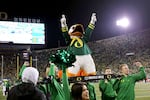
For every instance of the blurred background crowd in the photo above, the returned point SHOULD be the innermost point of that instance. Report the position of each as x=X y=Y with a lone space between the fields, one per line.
x=107 y=52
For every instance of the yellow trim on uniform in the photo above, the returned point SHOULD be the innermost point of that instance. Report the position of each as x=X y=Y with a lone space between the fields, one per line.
x=91 y=26
x=64 y=29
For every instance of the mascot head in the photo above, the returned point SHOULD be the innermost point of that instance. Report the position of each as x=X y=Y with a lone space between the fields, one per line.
x=76 y=30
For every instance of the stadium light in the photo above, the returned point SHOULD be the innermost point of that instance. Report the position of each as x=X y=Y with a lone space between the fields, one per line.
x=124 y=22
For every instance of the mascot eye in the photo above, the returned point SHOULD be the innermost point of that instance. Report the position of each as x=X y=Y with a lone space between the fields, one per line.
x=73 y=27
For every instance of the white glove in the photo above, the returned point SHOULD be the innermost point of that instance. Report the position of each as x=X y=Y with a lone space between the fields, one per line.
x=93 y=18
x=63 y=21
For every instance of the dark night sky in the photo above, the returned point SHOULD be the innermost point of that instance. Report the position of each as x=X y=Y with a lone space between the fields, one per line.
x=79 y=11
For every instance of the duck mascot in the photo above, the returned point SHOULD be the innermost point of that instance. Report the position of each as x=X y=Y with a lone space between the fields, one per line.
x=77 y=38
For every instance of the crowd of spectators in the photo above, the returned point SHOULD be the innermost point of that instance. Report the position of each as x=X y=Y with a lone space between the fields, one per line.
x=112 y=51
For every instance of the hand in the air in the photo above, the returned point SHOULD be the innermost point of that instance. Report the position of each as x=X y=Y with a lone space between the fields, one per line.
x=93 y=18
x=63 y=21
x=138 y=64
x=26 y=63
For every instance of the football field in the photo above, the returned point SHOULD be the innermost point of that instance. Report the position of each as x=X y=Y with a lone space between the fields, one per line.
x=142 y=92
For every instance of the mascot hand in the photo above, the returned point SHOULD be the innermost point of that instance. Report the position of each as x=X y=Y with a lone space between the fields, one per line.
x=63 y=21
x=93 y=18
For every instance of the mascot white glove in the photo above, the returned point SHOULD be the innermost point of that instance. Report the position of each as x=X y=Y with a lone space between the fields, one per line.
x=93 y=18
x=63 y=21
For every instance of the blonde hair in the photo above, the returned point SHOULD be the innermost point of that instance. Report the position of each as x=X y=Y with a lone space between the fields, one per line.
x=120 y=67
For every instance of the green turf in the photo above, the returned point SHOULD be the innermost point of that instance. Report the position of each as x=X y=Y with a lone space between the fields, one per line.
x=1 y=95
x=142 y=92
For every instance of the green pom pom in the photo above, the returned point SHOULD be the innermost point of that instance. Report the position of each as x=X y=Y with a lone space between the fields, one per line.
x=62 y=58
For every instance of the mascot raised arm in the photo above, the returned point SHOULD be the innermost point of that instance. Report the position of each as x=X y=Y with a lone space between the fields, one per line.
x=76 y=38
